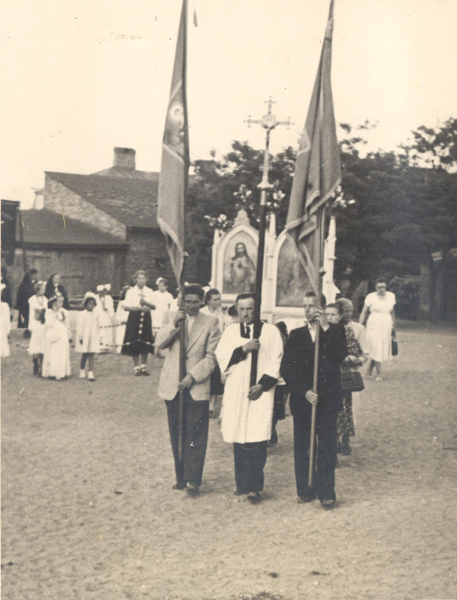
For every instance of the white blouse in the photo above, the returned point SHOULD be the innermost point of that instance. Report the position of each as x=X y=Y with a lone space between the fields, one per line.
x=134 y=295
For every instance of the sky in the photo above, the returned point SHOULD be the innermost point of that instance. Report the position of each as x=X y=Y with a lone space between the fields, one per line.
x=81 y=77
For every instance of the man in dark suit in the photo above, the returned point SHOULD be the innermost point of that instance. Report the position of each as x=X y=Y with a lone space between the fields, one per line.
x=297 y=369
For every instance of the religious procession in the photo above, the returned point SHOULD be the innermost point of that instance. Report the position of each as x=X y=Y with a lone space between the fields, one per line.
x=234 y=378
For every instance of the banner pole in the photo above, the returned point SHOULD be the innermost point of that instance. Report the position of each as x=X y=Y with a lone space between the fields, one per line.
x=320 y=275
x=182 y=328
x=264 y=186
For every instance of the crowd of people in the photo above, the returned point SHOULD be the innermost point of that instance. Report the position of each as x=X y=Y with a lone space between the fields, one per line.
x=219 y=346
x=43 y=313
x=218 y=360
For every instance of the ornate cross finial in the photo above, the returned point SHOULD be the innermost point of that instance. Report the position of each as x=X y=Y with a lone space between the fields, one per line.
x=268 y=121
x=270 y=103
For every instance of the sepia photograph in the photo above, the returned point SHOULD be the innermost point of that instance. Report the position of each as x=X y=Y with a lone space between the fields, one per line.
x=229 y=300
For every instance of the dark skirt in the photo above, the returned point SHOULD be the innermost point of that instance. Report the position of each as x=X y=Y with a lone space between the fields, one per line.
x=138 y=337
x=216 y=385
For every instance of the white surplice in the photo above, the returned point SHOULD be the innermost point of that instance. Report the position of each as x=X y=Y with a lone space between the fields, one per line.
x=244 y=420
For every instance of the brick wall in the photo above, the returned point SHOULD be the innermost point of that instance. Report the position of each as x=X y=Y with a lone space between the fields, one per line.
x=57 y=197
x=148 y=251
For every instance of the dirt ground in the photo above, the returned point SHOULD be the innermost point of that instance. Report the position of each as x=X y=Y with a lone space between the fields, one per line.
x=89 y=513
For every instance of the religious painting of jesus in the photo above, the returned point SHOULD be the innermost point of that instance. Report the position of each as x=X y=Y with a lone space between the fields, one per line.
x=239 y=265
x=292 y=283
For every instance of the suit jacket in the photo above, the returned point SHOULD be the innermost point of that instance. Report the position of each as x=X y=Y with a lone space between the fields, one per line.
x=297 y=367
x=200 y=358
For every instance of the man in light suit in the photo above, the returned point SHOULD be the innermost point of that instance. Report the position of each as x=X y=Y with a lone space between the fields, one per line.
x=202 y=336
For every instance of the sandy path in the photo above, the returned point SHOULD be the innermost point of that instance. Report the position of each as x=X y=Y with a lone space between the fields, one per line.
x=88 y=510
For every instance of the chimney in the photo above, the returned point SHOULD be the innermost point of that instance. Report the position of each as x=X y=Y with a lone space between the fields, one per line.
x=125 y=158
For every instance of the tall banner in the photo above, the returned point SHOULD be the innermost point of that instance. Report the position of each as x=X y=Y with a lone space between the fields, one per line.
x=10 y=210
x=317 y=169
x=175 y=157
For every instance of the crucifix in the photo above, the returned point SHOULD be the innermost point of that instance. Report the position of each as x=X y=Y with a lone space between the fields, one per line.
x=268 y=122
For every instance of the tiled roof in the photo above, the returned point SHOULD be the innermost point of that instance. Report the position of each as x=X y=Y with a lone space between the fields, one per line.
x=49 y=228
x=131 y=201
x=128 y=173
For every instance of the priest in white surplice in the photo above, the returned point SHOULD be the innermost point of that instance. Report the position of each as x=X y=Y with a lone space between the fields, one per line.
x=247 y=412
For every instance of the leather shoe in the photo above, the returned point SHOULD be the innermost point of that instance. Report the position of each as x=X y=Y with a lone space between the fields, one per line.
x=274 y=438
x=328 y=503
x=192 y=489
x=307 y=497
x=179 y=486
x=254 y=497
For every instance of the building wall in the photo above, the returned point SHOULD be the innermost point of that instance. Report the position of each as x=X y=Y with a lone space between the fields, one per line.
x=59 y=198
x=81 y=270
x=147 y=251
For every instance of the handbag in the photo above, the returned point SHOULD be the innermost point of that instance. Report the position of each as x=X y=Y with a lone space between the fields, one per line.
x=394 y=346
x=351 y=380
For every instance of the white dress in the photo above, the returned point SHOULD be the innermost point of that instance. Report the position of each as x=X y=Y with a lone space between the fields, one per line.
x=379 y=325
x=121 y=321
x=6 y=328
x=105 y=310
x=38 y=329
x=56 y=360
x=243 y=420
x=88 y=332
x=162 y=301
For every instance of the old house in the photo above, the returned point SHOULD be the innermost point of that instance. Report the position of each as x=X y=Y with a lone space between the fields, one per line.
x=95 y=228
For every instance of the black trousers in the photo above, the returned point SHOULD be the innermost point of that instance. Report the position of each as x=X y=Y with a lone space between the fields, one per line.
x=250 y=461
x=196 y=421
x=324 y=473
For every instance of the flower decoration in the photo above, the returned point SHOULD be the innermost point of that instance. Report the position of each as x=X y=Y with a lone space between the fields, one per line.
x=339 y=200
x=221 y=222
x=275 y=199
x=243 y=196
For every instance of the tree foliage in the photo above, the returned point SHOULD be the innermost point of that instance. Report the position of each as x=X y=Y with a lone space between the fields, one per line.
x=402 y=211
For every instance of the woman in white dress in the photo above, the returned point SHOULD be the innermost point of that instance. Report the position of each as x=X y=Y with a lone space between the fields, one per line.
x=214 y=309
x=105 y=310
x=88 y=335
x=56 y=360
x=37 y=310
x=6 y=322
x=379 y=308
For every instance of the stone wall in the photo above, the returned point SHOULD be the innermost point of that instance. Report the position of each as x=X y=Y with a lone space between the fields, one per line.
x=59 y=198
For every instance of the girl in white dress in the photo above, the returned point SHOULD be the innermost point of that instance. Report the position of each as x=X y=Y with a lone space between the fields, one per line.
x=88 y=335
x=37 y=327
x=379 y=308
x=5 y=324
x=162 y=300
x=56 y=360
x=105 y=309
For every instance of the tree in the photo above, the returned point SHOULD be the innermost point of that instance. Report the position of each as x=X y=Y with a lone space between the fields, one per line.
x=401 y=214
x=435 y=148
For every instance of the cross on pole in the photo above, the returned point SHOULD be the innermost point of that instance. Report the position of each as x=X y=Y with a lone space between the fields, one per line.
x=268 y=122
